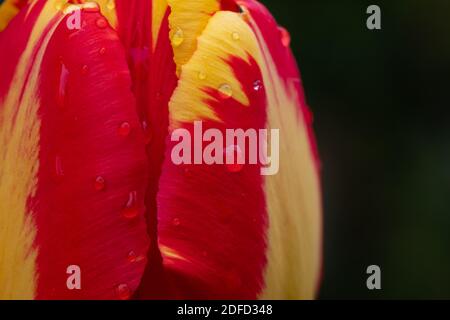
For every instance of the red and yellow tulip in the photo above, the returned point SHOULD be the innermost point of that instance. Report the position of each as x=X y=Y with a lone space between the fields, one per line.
x=85 y=172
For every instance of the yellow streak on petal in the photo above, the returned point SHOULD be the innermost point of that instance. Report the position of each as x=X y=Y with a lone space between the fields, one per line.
x=169 y=255
x=293 y=195
x=191 y=17
x=19 y=164
x=207 y=68
x=293 y=202
x=159 y=9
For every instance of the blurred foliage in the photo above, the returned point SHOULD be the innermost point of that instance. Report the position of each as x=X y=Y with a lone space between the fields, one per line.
x=381 y=106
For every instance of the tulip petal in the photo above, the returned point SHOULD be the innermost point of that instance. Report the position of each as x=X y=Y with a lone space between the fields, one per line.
x=76 y=196
x=273 y=241
x=212 y=221
x=188 y=20
x=143 y=28
x=293 y=195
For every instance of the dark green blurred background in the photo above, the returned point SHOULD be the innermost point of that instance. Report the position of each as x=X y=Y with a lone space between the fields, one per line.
x=381 y=106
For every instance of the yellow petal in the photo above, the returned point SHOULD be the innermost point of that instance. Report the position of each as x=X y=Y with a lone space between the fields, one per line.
x=19 y=136
x=208 y=68
x=294 y=194
x=187 y=21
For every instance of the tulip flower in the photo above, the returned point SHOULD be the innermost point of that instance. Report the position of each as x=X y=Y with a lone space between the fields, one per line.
x=87 y=183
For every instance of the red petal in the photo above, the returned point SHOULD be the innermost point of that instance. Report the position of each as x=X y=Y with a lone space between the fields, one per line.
x=87 y=206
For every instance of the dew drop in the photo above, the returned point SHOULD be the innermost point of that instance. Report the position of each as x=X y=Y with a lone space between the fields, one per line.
x=233 y=152
x=102 y=51
x=235 y=36
x=124 y=129
x=201 y=75
x=63 y=78
x=99 y=183
x=258 y=85
x=59 y=170
x=123 y=292
x=178 y=38
x=131 y=209
x=285 y=36
x=176 y=222
x=225 y=91
x=111 y=5
x=133 y=257
x=59 y=6
x=84 y=69
x=234 y=168
x=101 y=23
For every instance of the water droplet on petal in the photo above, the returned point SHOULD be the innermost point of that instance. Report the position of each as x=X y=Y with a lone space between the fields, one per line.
x=63 y=78
x=131 y=209
x=102 y=51
x=201 y=75
x=285 y=36
x=111 y=5
x=176 y=222
x=124 y=129
x=235 y=36
x=123 y=292
x=258 y=85
x=84 y=69
x=234 y=168
x=178 y=38
x=59 y=170
x=59 y=5
x=133 y=257
x=101 y=23
x=225 y=91
x=99 y=183
x=235 y=153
